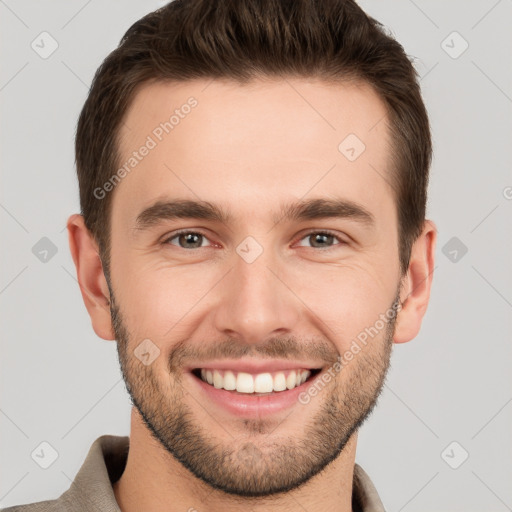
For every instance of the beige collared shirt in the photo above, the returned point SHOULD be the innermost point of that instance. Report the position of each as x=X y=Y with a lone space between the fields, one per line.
x=91 y=490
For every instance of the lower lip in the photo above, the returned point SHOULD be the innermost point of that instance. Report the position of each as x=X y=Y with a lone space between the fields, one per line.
x=252 y=405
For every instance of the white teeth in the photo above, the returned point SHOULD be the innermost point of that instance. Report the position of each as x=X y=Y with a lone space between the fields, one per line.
x=291 y=380
x=218 y=381
x=260 y=383
x=244 y=383
x=263 y=383
x=279 y=382
x=229 y=381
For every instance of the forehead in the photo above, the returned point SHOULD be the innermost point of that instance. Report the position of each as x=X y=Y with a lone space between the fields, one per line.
x=263 y=141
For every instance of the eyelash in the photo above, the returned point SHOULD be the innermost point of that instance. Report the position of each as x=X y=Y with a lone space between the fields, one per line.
x=309 y=233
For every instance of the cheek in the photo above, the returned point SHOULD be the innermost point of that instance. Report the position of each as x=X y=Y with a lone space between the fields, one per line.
x=346 y=300
x=159 y=303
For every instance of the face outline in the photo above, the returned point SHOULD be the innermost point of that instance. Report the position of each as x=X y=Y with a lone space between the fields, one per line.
x=250 y=149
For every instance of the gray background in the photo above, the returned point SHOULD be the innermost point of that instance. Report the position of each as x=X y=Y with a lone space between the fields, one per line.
x=61 y=384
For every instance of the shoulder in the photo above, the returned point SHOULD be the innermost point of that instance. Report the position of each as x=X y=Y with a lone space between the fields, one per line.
x=91 y=490
x=40 y=506
x=66 y=502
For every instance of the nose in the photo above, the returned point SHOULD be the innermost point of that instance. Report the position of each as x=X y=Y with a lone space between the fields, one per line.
x=256 y=302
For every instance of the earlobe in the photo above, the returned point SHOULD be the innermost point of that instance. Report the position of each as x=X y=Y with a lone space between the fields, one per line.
x=91 y=278
x=415 y=292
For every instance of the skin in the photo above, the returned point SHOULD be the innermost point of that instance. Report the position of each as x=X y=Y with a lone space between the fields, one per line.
x=249 y=149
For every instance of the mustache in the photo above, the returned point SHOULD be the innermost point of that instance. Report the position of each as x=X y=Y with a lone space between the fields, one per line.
x=276 y=348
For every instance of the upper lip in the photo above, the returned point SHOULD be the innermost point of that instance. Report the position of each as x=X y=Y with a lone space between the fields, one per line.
x=255 y=366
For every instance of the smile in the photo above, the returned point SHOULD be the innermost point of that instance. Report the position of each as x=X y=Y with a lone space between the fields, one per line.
x=260 y=383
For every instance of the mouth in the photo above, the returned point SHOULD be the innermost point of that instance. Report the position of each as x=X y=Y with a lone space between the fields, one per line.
x=253 y=389
x=256 y=384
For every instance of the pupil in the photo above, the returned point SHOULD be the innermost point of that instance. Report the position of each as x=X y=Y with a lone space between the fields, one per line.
x=191 y=238
x=321 y=236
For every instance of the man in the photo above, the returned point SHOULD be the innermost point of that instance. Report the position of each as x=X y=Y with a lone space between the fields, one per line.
x=253 y=179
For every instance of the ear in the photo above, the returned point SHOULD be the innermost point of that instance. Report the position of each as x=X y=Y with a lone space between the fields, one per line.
x=91 y=279
x=415 y=290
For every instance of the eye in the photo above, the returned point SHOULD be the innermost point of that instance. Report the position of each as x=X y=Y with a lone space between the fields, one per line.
x=195 y=240
x=322 y=239
x=187 y=239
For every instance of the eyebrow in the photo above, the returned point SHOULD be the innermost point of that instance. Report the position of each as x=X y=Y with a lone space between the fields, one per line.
x=310 y=209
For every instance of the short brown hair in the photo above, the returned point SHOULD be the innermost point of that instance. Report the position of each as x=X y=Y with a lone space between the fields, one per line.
x=240 y=40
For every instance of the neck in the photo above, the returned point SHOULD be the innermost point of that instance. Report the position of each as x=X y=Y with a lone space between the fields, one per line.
x=154 y=481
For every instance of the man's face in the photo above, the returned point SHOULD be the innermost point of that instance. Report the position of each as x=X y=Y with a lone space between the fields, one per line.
x=280 y=291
